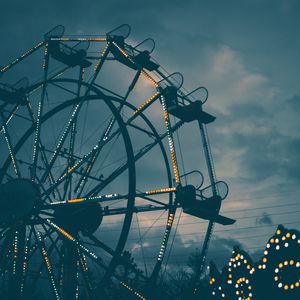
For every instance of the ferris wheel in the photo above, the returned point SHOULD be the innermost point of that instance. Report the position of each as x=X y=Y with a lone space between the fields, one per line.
x=87 y=150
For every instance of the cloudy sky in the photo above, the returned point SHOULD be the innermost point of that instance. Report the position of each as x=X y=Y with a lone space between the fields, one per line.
x=246 y=52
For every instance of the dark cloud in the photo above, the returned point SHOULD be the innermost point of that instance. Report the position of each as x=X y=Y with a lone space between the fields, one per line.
x=294 y=102
x=265 y=219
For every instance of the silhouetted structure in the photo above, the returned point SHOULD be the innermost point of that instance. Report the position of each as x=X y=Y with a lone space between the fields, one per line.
x=57 y=185
x=276 y=276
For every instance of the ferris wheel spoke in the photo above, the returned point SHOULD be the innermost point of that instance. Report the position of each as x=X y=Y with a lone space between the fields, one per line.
x=5 y=249
x=149 y=133
x=37 y=133
x=75 y=241
x=171 y=141
x=100 y=244
x=54 y=243
x=9 y=118
x=34 y=246
x=137 y=209
x=163 y=247
x=85 y=200
x=43 y=155
x=23 y=56
x=43 y=188
x=25 y=265
x=86 y=274
x=10 y=147
x=112 y=197
x=18 y=253
x=42 y=265
x=72 y=141
x=45 y=255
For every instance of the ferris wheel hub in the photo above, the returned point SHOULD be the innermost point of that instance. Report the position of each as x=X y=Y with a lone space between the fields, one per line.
x=18 y=200
x=84 y=218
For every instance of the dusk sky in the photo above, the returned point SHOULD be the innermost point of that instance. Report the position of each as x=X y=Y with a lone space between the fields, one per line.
x=246 y=53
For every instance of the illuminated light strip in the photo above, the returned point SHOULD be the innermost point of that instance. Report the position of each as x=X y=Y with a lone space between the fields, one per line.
x=102 y=56
x=9 y=118
x=76 y=200
x=150 y=79
x=124 y=53
x=166 y=237
x=109 y=197
x=82 y=261
x=15 y=252
x=74 y=39
x=61 y=275
x=136 y=293
x=45 y=56
x=76 y=242
x=84 y=269
x=27 y=53
x=60 y=230
x=160 y=191
x=10 y=149
x=43 y=156
x=148 y=102
x=39 y=116
x=171 y=141
x=77 y=280
x=25 y=267
x=48 y=264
